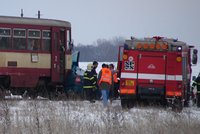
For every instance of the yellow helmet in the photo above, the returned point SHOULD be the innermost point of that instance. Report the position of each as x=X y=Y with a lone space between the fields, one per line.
x=89 y=67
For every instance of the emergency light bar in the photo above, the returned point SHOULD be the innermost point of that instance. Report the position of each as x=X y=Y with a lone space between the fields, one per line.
x=155 y=44
x=152 y=46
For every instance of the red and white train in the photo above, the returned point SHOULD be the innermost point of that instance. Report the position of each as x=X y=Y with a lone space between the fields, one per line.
x=34 y=53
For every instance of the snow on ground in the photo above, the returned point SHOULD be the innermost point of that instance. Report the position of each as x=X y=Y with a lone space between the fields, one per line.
x=44 y=116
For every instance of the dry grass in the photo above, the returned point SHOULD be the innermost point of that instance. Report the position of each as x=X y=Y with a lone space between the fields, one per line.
x=72 y=117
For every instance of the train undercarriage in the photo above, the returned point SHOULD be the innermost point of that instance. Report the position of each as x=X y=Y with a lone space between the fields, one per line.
x=44 y=88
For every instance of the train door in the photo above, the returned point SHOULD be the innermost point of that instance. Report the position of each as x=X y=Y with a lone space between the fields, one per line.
x=62 y=53
x=57 y=55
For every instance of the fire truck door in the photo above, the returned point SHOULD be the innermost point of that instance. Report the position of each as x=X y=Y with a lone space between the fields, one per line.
x=152 y=69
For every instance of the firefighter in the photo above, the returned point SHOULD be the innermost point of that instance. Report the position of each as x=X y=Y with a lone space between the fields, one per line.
x=89 y=84
x=97 y=93
x=95 y=65
x=105 y=83
x=197 y=83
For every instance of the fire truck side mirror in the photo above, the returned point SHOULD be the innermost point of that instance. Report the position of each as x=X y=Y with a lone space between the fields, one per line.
x=194 y=56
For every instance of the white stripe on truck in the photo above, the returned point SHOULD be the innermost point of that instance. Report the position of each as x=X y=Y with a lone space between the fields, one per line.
x=151 y=76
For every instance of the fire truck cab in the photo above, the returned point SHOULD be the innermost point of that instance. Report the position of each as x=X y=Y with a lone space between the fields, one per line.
x=155 y=69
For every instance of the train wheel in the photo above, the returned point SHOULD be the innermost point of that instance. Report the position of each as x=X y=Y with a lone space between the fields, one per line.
x=41 y=89
x=32 y=93
x=60 y=93
x=2 y=93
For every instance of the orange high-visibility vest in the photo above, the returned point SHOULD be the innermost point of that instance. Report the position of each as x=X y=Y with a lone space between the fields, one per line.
x=106 y=76
x=115 y=77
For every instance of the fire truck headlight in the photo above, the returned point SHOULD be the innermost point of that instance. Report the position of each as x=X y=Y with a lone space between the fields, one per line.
x=179 y=48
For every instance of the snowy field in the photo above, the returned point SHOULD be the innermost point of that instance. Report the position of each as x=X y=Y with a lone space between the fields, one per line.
x=83 y=117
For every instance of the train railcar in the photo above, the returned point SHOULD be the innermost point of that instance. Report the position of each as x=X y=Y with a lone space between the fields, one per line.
x=34 y=54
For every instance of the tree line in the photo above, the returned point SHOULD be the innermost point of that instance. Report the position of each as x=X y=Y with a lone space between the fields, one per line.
x=102 y=50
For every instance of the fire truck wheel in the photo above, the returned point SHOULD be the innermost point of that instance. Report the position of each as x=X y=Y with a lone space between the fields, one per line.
x=186 y=103
x=130 y=103
x=41 y=89
x=198 y=100
x=127 y=103
x=177 y=106
x=124 y=103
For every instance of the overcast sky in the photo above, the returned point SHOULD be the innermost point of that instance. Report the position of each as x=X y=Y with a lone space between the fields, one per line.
x=94 y=19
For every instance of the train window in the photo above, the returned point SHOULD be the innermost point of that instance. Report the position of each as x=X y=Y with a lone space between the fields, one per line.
x=19 y=39
x=19 y=33
x=46 y=40
x=34 y=33
x=62 y=40
x=5 y=38
x=68 y=39
x=5 y=32
x=34 y=39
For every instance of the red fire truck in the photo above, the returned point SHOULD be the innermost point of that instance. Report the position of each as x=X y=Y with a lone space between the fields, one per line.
x=155 y=69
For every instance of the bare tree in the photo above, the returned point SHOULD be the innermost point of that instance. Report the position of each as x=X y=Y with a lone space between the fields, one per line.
x=101 y=50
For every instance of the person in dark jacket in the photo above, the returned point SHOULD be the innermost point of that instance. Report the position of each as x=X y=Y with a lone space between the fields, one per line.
x=94 y=73
x=95 y=65
x=197 y=83
x=114 y=91
x=89 y=84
